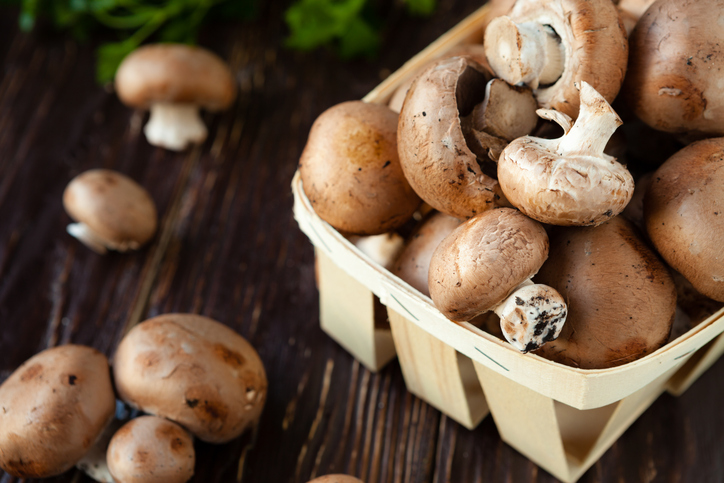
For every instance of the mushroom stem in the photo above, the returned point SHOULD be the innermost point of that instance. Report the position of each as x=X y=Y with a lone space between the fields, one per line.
x=88 y=237
x=531 y=315
x=529 y=52
x=595 y=125
x=175 y=126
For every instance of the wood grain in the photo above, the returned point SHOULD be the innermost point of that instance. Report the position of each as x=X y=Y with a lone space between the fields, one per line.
x=229 y=248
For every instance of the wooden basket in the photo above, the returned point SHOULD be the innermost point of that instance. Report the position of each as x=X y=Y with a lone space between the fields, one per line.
x=562 y=418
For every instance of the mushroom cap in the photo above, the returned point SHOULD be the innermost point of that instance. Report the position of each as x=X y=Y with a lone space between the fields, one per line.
x=54 y=406
x=351 y=172
x=194 y=371
x=674 y=79
x=434 y=155
x=177 y=74
x=621 y=298
x=113 y=206
x=684 y=214
x=149 y=449
x=595 y=43
x=413 y=263
x=483 y=260
x=336 y=479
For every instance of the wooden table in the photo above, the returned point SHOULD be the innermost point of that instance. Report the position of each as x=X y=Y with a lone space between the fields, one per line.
x=229 y=248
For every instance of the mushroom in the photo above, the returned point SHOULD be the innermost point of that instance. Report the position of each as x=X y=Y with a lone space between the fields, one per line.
x=684 y=214
x=569 y=180
x=194 y=371
x=112 y=212
x=336 y=479
x=149 y=449
x=443 y=157
x=621 y=298
x=486 y=264
x=174 y=81
x=631 y=11
x=413 y=263
x=555 y=45
x=382 y=249
x=54 y=407
x=675 y=70
x=351 y=172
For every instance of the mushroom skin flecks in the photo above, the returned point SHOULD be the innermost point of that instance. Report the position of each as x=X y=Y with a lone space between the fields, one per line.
x=486 y=264
x=569 y=180
x=555 y=45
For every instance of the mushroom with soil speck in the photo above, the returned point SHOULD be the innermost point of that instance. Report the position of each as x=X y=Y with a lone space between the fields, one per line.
x=174 y=81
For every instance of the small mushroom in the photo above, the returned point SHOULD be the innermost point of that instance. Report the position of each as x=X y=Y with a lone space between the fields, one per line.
x=149 y=449
x=620 y=296
x=52 y=409
x=555 y=45
x=684 y=214
x=486 y=264
x=674 y=82
x=434 y=152
x=112 y=212
x=194 y=371
x=174 y=81
x=569 y=180
x=336 y=479
x=382 y=249
x=351 y=171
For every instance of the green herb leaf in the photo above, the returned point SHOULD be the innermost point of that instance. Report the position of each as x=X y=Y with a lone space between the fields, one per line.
x=359 y=39
x=421 y=7
x=318 y=22
x=109 y=56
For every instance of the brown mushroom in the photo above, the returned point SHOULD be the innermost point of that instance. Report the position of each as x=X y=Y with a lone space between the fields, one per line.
x=336 y=479
x=684 y=214
x=486 y=264
x=54 y=407
x=112 y=212
x=555 y=45
x=631 y=11
x=194 y=371
x=351 y=172
x=149 y=449
x=675 y=70
x=620 y=296
x=434 y=153
x=174 y=81
x=382 y=249
x=569 y=180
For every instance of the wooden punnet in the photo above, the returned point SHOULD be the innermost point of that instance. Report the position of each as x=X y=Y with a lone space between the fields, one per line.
x=562 y=418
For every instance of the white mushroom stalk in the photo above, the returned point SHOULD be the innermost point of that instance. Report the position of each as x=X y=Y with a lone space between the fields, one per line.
x=95 y=242
x=531 y=315
x=569 y=180
x=175 y=126
x=529 y=53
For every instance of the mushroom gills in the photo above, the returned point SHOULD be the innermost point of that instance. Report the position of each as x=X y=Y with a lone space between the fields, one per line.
x=174 y=126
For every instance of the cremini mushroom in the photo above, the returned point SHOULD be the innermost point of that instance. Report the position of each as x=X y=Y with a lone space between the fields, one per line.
x=433 y=144
x=674 y=82
x=631 y=11
x=486 y=264
x=149 y=449
x=194 y=371
x=336 y=479
x=174 y=81
x=52 y=409
x=620 y=296
x=684 y=214
x=112 y=212
x=555 y=45
x=382 y=249
x=351 y=171
x=569 y=180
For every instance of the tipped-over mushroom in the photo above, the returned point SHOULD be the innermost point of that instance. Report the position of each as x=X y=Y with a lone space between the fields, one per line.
x=194 y=371
x=554 y=45
x=684 y=214
x=569 y=180
x=52 y=409
x=674 y=83
x=174 y=81
x=620 y=296
x=444 y=143
x=112 y=212
x=351 y=171
x=486 y=264
x=150 y=449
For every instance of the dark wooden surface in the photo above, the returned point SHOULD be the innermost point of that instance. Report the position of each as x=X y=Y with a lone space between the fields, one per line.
x=228 y=248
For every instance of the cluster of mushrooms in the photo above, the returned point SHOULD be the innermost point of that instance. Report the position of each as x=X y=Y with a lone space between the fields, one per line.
x=463 y=187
